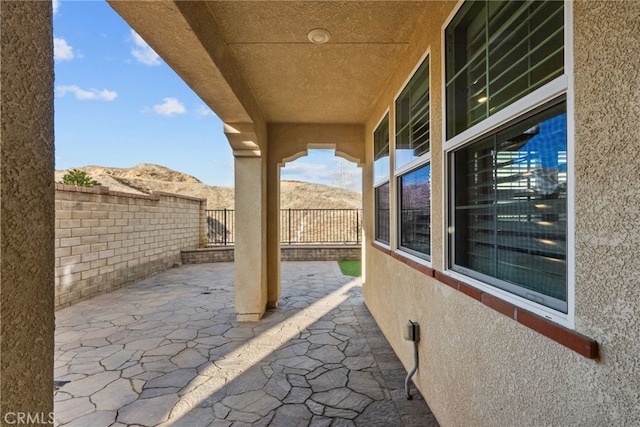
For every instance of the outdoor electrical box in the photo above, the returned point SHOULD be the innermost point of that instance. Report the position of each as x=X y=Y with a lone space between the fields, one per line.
x=412 y=331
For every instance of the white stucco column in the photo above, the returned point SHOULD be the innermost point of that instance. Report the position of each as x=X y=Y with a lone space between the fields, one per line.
x=250 y=222
x=250 y=237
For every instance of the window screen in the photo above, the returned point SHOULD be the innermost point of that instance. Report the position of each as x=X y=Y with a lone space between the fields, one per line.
x=510 y=208
x=412 y=118
x=496 y=53
x=382 y=213
x=381 y=150
x=415 y=210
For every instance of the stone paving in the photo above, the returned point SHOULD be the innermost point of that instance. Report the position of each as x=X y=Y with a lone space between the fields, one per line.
x=168 y=351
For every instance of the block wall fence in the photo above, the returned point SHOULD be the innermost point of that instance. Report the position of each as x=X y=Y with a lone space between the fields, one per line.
x=105 y=240
x=287 y=253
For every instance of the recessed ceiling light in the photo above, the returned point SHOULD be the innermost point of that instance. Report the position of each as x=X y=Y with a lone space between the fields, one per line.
x=319 y=36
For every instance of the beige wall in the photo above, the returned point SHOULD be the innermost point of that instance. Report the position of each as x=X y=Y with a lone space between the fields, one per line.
x=26 y=210
x=479 y=367
x=105 y=240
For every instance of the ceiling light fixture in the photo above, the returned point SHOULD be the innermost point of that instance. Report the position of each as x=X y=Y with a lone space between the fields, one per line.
x=319 y=36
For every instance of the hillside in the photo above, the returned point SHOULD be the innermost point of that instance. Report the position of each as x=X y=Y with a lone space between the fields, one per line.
x=144 y=178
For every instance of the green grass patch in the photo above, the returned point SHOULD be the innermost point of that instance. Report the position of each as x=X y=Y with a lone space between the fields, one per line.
x=351 y=267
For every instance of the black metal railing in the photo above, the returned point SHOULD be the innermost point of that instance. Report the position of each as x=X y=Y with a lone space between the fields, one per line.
x=297 y=226
x=220 y=226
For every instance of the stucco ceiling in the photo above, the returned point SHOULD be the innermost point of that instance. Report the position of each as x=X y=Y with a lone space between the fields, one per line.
x=256 y=53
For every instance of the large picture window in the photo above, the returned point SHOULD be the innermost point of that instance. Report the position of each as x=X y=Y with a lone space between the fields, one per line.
x=511 y=208
x=508 y=150
x=412 y=164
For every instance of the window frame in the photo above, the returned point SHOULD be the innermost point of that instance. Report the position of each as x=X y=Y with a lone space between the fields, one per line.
x=385 y=180
x=386 y=116
x=411 y=166
x=416 y=255
x=544 y=95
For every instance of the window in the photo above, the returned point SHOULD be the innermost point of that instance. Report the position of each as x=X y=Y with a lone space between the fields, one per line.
x=412 y=164
x=511 y=208
x=497 y=52
x=382 y=213
x=509 y=175
x=412 y=118
x=381 y=150
x=381 y=179
x=415 y=210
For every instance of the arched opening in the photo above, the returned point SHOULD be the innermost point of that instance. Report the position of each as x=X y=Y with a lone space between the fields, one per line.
x=320 y=206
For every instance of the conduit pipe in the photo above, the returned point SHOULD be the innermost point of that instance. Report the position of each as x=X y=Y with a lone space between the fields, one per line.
x=412 y=333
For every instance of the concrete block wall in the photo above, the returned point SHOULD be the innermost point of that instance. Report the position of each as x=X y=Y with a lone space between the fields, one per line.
x=105 y=239
x=320 y=253
x=288 y=253
x=207 y=255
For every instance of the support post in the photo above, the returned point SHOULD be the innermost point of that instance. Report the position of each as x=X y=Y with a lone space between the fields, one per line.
x=274 y=224
x=250 y=239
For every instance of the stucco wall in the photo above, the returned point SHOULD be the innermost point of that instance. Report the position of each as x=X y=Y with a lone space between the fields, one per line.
x=26 y=211
x=105 y=240
x=479 y=367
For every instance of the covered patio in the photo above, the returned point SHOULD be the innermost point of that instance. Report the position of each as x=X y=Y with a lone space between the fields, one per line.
x=169 y=351
x=491 y=352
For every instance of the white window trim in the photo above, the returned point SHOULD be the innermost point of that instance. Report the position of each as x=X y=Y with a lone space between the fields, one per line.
x=381 y=182
x=562 y=85
x=373 y=135
x=414 y=164
x=413 y=254
x=375 y=218
x=535 y=99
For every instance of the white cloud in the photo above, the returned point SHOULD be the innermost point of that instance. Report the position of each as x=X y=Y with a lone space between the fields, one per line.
x=83 y=95
x=169 y=107
x=142 y=51
x=310 y=172
x=56 y=6
x=61 y=50
x=336 y=171
x=203 y=111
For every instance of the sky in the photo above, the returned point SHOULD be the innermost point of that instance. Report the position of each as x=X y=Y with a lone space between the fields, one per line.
x=117 y=104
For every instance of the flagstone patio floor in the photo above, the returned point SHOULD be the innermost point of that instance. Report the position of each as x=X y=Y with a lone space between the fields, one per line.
x=168 y=351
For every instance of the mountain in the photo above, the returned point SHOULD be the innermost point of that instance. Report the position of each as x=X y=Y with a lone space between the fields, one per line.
x=144 y=178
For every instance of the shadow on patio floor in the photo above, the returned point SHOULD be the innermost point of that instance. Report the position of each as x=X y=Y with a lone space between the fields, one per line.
x=168 y=351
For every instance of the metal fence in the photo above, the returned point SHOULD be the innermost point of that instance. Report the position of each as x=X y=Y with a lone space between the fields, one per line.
x=220 y=226
x=297 y=226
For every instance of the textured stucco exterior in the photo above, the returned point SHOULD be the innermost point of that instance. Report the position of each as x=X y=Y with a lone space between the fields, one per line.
x=478 y=367
x=27 y=210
